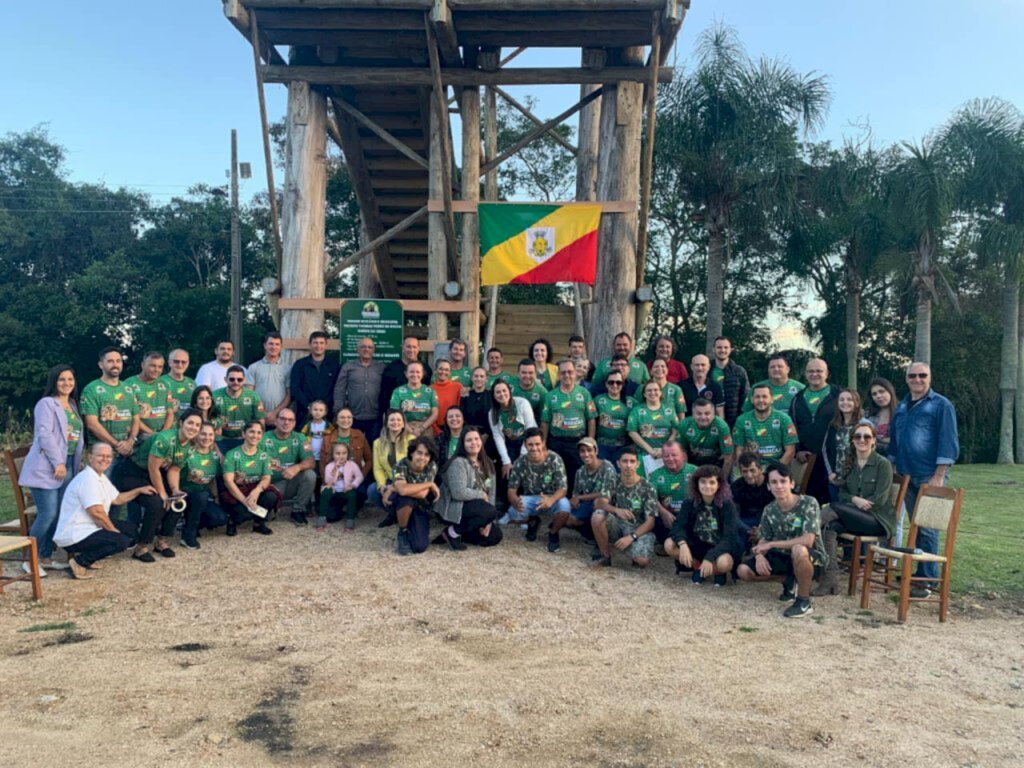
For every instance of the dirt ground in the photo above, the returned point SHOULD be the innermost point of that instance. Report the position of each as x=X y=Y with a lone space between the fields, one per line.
x=326 y=649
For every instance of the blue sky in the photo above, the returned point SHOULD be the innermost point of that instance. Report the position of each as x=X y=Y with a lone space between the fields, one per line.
x=145 y=94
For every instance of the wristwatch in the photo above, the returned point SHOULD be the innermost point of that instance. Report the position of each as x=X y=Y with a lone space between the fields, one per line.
x=635 y=537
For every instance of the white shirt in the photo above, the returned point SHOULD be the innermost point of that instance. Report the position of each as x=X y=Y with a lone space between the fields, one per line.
x=86 y=489
x=214 y=375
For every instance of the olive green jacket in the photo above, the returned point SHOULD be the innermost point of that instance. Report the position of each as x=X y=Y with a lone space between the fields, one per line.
x=873 y=482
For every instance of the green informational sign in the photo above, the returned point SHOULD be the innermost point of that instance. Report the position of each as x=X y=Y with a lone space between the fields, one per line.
x=380 y=319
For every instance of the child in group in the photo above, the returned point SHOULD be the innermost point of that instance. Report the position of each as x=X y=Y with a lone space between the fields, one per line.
x=316 y=426
x=342 y=476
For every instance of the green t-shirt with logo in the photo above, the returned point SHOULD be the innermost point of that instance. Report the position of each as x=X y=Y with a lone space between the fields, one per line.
x=706 y=445
x=181 y=391
x=601 y=481
x=529 y=479
x=463 y=375
x=511 y=427
x=637 y=370
x=612 y=416
x=164 y=446
x=672 y=487
x=567 y=414
x=768 y=438
x=671 y=394
x=535 y=396
x=154 y=400
x=114 y=406
x=717 y=374
x=653 y=425
x=641 y=499
x=782 y=394
x=201 y=470
x=247 y=469
x=236 y=412
x=508 y=378
x=74 y=433
x=416 y=404
x=815 y=399
x=285 y=451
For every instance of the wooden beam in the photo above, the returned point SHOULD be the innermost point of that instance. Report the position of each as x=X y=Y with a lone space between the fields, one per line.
x=512 y=55
x=444 y=33
x=462 y=5
x=237 y=14
x=377 y=242
x=534 y=119
x=541 y=130
x=490 y=194
x=470 y=206
x=391 y=76
x=383 y=133
x=419 y=306
x=342 y=4
x=647 y=161
x=469 y=322
x=671 y=21
x=444 y=146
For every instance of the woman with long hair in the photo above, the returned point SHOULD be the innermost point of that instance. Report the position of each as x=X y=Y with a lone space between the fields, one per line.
x=836 y=447
x=54 y=457
x=509 y=418
x=671 y=394
x=342 y=431
x=414 y=492
x=248 y=491
x=547 y=372
x=468 y=495
x=665 y=349
x=202 y=401
x=651 y=424
x=390 y=448
x=704 y=537
x=879 y=409
x=451 y=432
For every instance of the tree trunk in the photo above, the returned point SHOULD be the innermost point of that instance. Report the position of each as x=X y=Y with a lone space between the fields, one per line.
x=303 y=209
x=437 y=253
x=716 y=279
x=469 y=322
x=853 y=295
x=1008 y=362
x=923 y=333
x=1020 y=383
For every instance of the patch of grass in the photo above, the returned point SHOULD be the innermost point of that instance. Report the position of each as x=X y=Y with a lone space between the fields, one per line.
x=96 y=610
x=748 y=629
x=52 y=626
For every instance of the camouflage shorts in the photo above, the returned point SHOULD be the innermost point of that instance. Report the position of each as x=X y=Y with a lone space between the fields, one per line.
x=643 y=547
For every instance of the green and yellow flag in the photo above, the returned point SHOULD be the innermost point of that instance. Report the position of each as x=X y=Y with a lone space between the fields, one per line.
x=531 y=243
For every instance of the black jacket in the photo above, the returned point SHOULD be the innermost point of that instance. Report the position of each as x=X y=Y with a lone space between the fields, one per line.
x=713 y=392
x=734 y=386
x=750 y=499
x=811 y=429
x=728 y=536
x=309 y=383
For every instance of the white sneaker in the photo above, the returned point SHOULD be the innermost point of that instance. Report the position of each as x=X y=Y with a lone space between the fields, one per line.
x=54 y=565
x=504 y=519
x=28 y=569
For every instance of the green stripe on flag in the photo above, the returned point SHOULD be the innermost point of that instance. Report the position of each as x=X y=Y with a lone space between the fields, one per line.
x=500 y=221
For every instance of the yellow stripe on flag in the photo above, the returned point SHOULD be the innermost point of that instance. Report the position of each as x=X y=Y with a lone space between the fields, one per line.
x=507 y=260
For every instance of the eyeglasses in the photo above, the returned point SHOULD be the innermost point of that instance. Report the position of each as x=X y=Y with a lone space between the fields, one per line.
x=917 y=375
x=862 y=436
x=285 y=418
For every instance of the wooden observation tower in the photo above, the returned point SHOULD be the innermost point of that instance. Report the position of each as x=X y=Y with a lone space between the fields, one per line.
x=384 y=78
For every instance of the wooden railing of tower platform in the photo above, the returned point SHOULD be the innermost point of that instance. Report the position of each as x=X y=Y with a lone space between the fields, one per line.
x=384 y=68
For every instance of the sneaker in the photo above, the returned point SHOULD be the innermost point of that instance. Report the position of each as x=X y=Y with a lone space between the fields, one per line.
x=232 y=528
x=193 y=545
x=402 y=545
x=165 y=552
x=262 y=528
x=299 y=518
x=800 y=607
x=531 y=528
x=28 y=569
x=554 y=545
x=695 y=578
x=350 y=525
x=720 y=580
x=455 y=543
x=54 y=565
x=920 y=593
x=787 y=590
x=679 y=568
x=388 y=521
x=504 y=519
x=600 y=561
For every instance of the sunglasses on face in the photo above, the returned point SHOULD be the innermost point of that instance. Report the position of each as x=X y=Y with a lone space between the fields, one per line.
x=864 y=437
x=236 y=381
x=917 y=375
x=614 y=383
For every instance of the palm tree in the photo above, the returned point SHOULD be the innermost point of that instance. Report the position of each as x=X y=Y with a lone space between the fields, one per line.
x=986 y=140
x=727 y=136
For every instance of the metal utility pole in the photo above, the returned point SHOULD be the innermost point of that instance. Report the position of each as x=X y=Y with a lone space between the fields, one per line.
x=236 y=256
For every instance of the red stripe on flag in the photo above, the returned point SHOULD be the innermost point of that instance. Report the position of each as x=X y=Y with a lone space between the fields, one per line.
x=576 y=263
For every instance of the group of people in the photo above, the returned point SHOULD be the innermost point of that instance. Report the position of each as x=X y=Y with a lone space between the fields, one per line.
x=636 y=457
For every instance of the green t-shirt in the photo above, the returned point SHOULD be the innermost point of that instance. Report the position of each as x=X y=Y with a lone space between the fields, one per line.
x=815 y=399
x=154 y=400
x=641 y=499
x=511 y=427
x=463 y=375
x=74 y=433
x=717 y=374
x=567 y=414
x=416 y=404
x=612 y=416
x=672 y=395
x=768 y=438
x=637 y=370
x=201 y=470
x=529 y=479
x=181 y=391
x=672 y=487
x=114 y=406
x=236 y=412
x=782 y=394
x=705 y=445
x=164 y=446
x=508 y=378
x=247 y=469
x=601 y=482
x=654 y=426
x=535 y=396
x=805 y=517
x=284 y=452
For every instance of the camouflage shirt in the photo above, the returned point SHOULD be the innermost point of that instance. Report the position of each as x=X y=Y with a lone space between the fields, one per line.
x=804 y=517
x=528 y=479
x=600 y=482
x=641 y=499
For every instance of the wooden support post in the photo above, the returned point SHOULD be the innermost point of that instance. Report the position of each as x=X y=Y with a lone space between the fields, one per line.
x=444 y=30
x=275 y=223
x=618 y=177
x=490 y=193
x=387 y=76
x=437 y=262
x=469 y=327
x=305 y=201
x=444 y=147
x=646 y=172
x=588 y=134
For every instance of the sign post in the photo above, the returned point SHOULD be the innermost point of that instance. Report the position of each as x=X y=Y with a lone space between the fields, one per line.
x=382 y=320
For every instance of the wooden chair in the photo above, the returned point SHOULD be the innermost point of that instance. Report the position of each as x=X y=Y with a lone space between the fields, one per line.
x=937 y=508
x=858 y=559
x=26 y=510
x=802 y=473
x=27 y=545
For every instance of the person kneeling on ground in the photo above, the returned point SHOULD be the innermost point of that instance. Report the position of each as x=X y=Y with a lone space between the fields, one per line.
x=625 y=517
x=342 y=477
x=468 y=494
x=414 y=495
x=247 y=488
x=704 y=536
x=536 y=483
x=790 y=543
x=595 y=478
x=84 y=528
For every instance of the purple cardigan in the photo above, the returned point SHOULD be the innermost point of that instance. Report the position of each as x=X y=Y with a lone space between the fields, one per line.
x=49 y=446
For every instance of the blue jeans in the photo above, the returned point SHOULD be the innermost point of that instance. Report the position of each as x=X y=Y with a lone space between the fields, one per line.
x=530 y=508
x=47 y=512
x=927 y=538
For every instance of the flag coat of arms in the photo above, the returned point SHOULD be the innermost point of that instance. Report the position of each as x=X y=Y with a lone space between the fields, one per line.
x=532 y=243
